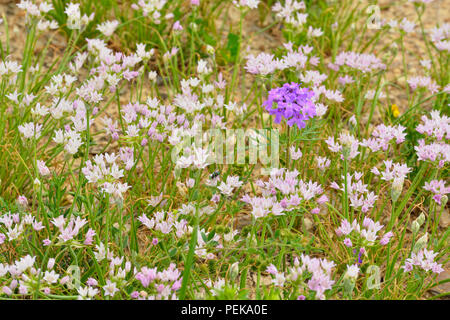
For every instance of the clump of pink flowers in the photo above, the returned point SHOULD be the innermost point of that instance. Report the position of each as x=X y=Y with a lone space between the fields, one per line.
x=105 y=172
x=438 y=188
x=364 y=234
x=359 y=61
x=284 y=192
x=423 y=82
x=435 y=146
x=162 y=285
x=311 y=274
x=424 y=259
x=383 y=136
x=347 y=145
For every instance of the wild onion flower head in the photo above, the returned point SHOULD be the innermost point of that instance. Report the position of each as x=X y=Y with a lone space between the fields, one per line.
x=263 y=64
x=440 y=37
x=290 y=12
x=439 y=188
x=363 y=62
x=107 y=28
x=365 y=233
x=423 y=82
x=435 y=146
x=291 y=102
x=425 y=260
x=151 y=9
x=284 y=192
x=252 y=4
x=383 y=136
x=347 y=145
x=407 y=26
x=352 y=271
x=436 y=127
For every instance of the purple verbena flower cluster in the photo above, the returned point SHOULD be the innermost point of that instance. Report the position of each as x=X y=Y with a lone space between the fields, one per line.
x=292 y=102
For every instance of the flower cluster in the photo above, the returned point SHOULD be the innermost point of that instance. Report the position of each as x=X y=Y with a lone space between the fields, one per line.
x=438 y=188
x=226 y=188
x=424 y=259
x=358 y=193
x=440 y=37
x=30 y=130
x=107 y=28
x=104 y=171
x=436 y=126
x=382 y=137
x=9 y=70
x=312 y=273
x=284 y=192
x=347 y=145
x=69 y=228
x=290 y=12
x=435 y=147
x=393 y=171
x=291 y=102
x=364 y=235
x=164 y=223
x=263 y=64
x=252 y=4
x=164 y=284
x=423 y=82
x=75 y=20
x=15 y=225
x=365 y=63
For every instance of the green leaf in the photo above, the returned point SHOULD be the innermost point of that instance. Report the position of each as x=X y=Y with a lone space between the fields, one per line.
x=233 y=45
x=211 y=235
x=173 y=252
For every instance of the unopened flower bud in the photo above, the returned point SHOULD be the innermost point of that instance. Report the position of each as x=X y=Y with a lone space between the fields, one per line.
x=182 y=189
x=346 y=147
x=36 y=184
x=152 y=75
x=415 y=226
x=210 y=49
x=421 y=243
x=397 y=187
x=22 y=202
x=50 y=263
x=444 y=200
x=194 y=26
x=349 y=285
x=234 y=270
x=421 y=219
x=23 y=290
